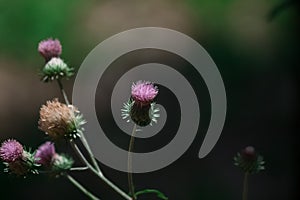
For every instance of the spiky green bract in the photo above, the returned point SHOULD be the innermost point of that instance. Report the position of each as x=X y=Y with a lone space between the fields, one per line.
x=55 y=69
x=125 y=111
x=23 y=166
x=250 y=166
x=154 y=113
x=61 y=164
x=75 y=128
x=142 y=116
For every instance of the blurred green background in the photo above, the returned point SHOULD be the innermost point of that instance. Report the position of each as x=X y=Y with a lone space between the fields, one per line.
x=254 y=43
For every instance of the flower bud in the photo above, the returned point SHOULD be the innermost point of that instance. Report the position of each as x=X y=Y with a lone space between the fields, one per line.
x=249 y=161
x=61 y=163
x=55 y=69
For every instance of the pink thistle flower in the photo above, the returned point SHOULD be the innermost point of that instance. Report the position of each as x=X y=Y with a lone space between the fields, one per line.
x=11 y=150
x=143 y=92
x=45 y=154
x=50 y=48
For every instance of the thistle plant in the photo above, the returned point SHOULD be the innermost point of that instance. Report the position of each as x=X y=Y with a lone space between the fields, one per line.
x=63 y=121
x=141 y=109
x=250 y=162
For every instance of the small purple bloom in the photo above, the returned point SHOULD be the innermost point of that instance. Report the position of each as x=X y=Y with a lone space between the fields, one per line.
x=50 y=48
x=11 y=150
x=143 y=92
x=45 y=154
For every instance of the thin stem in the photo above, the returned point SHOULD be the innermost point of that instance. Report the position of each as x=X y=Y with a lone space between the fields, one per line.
x=80 y=187
x=82 y=138
x=79 y=168
x=102 y=177
x=79 y=154
x=87 y=146
x=96 y=171
x=245 y=187
x=130 y=178
x=63 y=91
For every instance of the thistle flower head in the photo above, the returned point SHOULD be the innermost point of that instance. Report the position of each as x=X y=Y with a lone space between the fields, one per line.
x=140 y=107
x=11 y=150
x=61 y=163
x=249 y=160
x=143 y=92
x=50 y=48
x=16 y=159
x=55 y=69
x=24 y=166
x=45 y=153
x=59 y=120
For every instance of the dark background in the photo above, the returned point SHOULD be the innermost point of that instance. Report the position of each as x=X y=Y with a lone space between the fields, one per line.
x=255 y=44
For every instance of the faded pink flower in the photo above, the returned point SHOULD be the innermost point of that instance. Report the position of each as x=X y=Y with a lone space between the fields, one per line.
x=59 y=120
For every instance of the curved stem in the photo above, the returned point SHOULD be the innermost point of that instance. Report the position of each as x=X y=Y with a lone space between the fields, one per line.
x=130 y=178
x=245 y=186
x=80 y=187
x=102 y=177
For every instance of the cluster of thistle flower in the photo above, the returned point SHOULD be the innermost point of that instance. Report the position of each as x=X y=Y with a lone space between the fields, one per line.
x=57 y=120
x=64 y=121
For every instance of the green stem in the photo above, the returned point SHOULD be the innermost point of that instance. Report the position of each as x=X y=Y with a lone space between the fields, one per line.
x=96 y=171
x=245 y=186
x=87 y=146
x=130 y=178
x=63 y=91
x=82 y=138
x=80 y=187
x=78 y=168
x=102 y=177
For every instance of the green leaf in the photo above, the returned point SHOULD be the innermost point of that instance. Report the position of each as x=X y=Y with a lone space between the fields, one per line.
x=157 y=192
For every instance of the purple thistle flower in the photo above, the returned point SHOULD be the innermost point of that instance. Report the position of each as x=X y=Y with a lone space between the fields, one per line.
x=143 y=92
x=11 y=150
x=141 y=110
x=45 y=154
x=50 y=48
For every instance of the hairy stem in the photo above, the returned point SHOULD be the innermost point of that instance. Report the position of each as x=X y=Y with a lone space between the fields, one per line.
x=129 y=164
x=80 y=187
x=245 y=187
